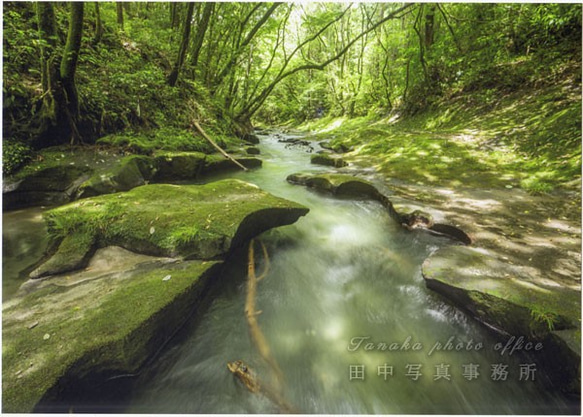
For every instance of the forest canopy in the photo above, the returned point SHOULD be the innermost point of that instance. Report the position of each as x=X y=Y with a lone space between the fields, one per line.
x=74 y=72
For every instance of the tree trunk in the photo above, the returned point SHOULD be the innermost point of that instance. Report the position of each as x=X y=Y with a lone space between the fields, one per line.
x=49 y=71
x=69 y=65
x=98 y=25
x=173 y=77
x=119 y=8
x=173 y=14
x=200 y=32
x=430 y=26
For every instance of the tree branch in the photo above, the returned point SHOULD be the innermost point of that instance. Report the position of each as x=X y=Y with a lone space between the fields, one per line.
x=256 y=103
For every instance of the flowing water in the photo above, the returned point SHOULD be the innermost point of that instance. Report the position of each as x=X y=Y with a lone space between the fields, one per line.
x=340 y=278
x=342 y=275
x=24 y=240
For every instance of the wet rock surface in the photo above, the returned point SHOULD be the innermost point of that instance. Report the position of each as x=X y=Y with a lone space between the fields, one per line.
x=325 y=159
x=345 y=185
x=127 y=270
x=93 y=175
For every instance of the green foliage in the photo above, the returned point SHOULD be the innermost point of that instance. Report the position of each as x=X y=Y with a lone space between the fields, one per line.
x=542 y=316
x=14 y=156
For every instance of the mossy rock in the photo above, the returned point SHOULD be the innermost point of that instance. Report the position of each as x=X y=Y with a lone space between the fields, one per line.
x=336 y=147
x=73 y=253
x=178 y=165
x=106 y=326
x=337 y=184
x=491 y=284
x=52 y=185
x=193 y=222
x=325 y=159
x=252 y=150
x=218 y=163
x=250 y=138
x=508 y=299
x=132 y=171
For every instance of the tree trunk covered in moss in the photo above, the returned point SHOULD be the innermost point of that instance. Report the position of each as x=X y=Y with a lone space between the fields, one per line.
x=49 y=74
x=173 y=77
x=69 y=65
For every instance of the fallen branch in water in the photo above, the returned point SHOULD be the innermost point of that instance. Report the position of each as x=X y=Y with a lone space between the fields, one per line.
x=257 y=335
x=266 y=260
x=239 y=368
x=221 y=150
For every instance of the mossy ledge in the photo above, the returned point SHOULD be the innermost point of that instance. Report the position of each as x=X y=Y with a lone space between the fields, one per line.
x=186 y=221
x=110 y=325
x=81 y=175
x=344 y=185
x=510 y=301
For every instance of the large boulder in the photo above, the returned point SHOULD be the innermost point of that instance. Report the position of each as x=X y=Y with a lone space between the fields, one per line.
x=218 y=163
x=47 y=186
x=178 y=165
x=132 y=171
x=325 y=159
x=193 y=222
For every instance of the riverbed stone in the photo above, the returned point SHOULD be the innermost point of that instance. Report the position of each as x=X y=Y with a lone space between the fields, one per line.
x=51 y=185
x=109 y=324
x=478 y=274
x=178 y=165
x=510 y=299
x=252 y=150
x=250 y=138
x=218 y=163
x=132 y=171
x=325 y=159
x=337 y=184
x=188 y=221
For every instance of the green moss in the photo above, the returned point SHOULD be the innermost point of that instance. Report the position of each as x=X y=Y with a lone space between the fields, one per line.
x=110 y=324
x=513 y=303
x=530 y=139
x=73 y=253
x=167 y=139
x=198 y=221
x=178 y=165
x=131 y=172
x=324 y=159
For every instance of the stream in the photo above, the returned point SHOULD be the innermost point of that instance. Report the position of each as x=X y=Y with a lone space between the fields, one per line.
x=343 y=272
x=346 y=314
